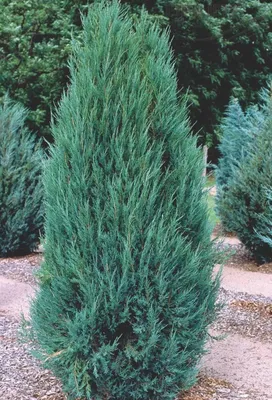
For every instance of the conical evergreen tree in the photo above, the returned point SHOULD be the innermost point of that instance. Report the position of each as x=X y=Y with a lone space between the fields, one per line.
x=126 y=290
x=243 y=203
x=239 y=132
x=234 y=135
x=21 y=192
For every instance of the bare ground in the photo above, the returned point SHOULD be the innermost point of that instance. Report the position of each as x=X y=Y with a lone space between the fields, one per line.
x=239 y=280
x=244 y=362
x=14 y=297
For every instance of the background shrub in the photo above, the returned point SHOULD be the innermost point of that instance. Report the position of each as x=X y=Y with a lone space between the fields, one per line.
x=21 y=210
x=242 y=202
x=35 y=38
x=239 y=130
x=266 y=235
x=222 y=49
x=236 y=138
x=126 y=292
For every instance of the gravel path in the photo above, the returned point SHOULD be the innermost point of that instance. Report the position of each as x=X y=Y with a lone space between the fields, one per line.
x=14 y=297
x=246 y=363
x=243 y=358
x=255 y=283
x=21 y=268
x=21 y=377
x=246 y=315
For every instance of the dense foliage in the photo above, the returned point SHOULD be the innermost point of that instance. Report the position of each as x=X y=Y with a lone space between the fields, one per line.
x=244 y=176
x=239 y=130
x=20 y=185
x=35 y=37
x=126 y=290
x=222 y=48
x=266 y=233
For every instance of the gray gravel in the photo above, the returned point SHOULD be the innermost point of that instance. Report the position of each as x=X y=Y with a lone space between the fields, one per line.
x=243 y=321
x=21 y=377
x=21 y=268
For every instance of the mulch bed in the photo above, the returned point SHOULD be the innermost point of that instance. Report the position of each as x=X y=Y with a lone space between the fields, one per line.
x=264 y=309
x=208 y=388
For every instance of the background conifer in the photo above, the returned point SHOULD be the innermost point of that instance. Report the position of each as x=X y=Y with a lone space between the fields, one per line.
x=21 y=209
x=243 y=204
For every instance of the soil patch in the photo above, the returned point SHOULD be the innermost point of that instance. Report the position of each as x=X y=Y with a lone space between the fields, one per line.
x=238 y=256
x=220 y=231
x=242 y=259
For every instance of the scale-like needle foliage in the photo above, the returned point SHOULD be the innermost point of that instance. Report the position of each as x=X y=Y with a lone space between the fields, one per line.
x=21 y=192
x=244 y=176
x=126 y=290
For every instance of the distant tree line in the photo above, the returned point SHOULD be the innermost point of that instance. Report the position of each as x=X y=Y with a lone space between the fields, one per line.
x=222 y=49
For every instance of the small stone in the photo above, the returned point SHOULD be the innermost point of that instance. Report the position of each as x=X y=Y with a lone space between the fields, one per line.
x=223 y=390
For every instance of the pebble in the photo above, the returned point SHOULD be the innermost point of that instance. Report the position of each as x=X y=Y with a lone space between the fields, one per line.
x=223 y=390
